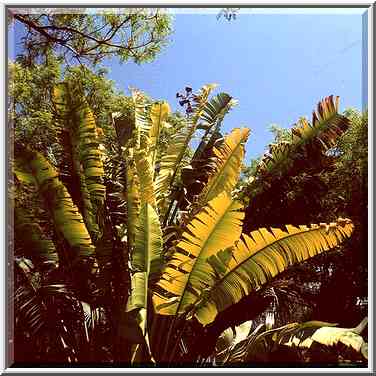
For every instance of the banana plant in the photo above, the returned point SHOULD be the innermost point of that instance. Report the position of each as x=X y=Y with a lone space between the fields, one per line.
x=119 y=224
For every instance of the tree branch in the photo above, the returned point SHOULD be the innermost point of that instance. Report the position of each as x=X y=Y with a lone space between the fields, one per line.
x=40 y=29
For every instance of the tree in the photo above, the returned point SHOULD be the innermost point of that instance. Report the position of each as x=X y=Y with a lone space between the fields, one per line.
x=30 y=107
x=302 y=156
x=136 y=34
x=52 y=41
x=347 y=193
x=29 y=112
x=188 y=264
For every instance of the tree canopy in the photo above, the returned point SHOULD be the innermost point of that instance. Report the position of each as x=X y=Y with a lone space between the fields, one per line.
x=136 y=34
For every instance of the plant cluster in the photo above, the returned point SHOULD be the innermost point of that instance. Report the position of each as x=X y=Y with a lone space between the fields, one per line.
x=137 y=251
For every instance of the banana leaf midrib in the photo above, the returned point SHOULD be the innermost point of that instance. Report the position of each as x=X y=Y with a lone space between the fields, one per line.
x=198 y=257
x=260 y=250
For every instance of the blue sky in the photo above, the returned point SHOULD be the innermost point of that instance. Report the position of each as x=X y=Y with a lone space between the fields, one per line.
x=278 y=63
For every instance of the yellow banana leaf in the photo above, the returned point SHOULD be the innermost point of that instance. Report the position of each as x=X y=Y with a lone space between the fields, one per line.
x=148 y=245
x=142 y=121
x=218 y=225
x=227 y=165
x=255 y=259
x=66 y=216
x=76 y=119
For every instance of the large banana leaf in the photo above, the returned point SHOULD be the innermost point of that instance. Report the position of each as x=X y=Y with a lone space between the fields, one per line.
x=232 y=344
x=144 y=238
x=226 y=165
x=217 y=226
x=171 y=160
x=145 y=261
x=66 y=216
x=87 y=207
x=212 y=116
x=327 y=125
x=148 y=245
x=216 y=109
x=231 y=336
x=304 y=335
x=207 y=160
x=146 y=257
x=256 y=259
x=76 y=119
x=254 y=345
x=91 y=156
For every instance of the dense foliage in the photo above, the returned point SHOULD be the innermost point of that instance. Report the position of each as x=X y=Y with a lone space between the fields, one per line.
x=134 y=245
x=138 y=250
